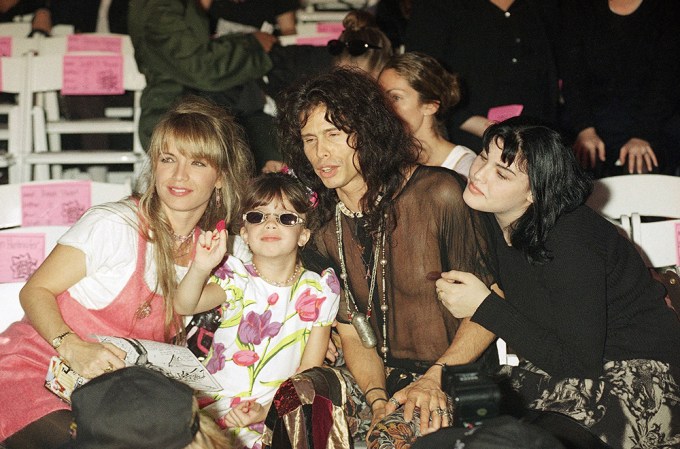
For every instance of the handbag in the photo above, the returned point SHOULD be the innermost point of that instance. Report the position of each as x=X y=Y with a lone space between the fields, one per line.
x=201 y=330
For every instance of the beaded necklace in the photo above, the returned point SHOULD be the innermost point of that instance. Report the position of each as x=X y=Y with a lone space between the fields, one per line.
x=183 y=248
x=275 y=283
x=359 y=320
x=182 y=238
x=345 y=210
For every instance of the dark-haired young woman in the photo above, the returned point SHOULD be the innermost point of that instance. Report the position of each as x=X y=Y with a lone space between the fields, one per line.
x=581 y=309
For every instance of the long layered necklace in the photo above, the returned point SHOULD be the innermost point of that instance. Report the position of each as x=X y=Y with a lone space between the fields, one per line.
x=145 y=308
x=360 y=320
x=183 y=249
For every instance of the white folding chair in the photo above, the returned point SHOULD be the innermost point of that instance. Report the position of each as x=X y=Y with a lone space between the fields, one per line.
x=46 y=76
x=110 y=42
x=658 y=241
x=10 y=217
x=65 y=43
x=13 y=74
x=651 y=195
x=504 y=358
x=10 y=308
x=619 y=197
x=23 y=28
x=10 y=198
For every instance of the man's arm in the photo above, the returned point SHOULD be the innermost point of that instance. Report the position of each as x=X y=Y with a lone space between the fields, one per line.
x=426 y=393
x=367 y=369
x=470 y=341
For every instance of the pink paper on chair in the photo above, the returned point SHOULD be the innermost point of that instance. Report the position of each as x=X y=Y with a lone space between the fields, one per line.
x=330 y=28
x=89 y=42
x=93 y=75
x=5 y=45
x=500 y=113
x=317 y=41
x=677 y=243
x=0 y=75
x=54 y=204
x=22 y=254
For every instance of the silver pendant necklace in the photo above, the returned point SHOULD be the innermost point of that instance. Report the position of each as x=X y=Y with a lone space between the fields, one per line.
x=360 y=320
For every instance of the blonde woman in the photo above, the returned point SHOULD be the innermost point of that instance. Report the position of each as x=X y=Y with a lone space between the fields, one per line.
x=116 y=270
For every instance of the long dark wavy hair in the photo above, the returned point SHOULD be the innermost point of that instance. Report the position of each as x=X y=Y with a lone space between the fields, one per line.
x=355 y=104
x=557 y=183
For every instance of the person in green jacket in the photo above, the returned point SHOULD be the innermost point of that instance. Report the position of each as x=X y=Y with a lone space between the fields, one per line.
x=176 y=54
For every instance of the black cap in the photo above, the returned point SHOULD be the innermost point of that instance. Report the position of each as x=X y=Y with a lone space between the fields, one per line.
x=133 y=408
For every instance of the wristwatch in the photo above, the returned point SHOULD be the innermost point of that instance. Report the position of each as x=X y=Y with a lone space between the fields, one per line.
x=56 y=341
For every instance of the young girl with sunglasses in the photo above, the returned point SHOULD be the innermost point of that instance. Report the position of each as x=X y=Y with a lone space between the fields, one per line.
x=276 y=315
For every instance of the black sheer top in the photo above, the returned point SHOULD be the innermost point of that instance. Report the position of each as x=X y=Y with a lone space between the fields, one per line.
x=435 y=231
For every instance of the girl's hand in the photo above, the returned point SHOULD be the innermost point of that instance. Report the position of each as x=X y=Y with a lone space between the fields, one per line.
x=91 y=359
x=245 y=414
x=461 y=293
x=210 y=249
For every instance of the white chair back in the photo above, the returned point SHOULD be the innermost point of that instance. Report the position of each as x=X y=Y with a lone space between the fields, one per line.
x=651 y=195
x=105 y=42
x=618 y=198
x=658 y=242
x=13 y=81
x=10 y=308
x=46 y=76
x=21 y=45
x=10 y=198
x=22 y=29
x=22 y=263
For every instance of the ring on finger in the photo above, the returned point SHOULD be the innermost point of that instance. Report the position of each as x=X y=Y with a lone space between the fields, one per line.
x=395 y=402
x=440 y=411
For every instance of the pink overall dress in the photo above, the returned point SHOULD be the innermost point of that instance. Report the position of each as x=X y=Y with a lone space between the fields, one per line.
x=25 y=355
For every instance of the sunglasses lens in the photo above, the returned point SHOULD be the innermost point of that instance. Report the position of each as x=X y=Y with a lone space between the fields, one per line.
x=357 y=47
x=254 y=217
x=288 y=219
x=335 y=47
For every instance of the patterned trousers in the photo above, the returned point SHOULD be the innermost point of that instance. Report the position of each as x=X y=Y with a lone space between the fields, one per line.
x=324 y=408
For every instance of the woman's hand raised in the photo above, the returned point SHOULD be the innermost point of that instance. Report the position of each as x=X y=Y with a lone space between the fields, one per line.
x=461 y=293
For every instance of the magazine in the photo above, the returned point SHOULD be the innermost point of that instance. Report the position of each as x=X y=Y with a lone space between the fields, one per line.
x=176 y=362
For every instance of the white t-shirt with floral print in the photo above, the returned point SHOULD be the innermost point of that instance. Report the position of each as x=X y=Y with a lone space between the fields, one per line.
x=262 y=335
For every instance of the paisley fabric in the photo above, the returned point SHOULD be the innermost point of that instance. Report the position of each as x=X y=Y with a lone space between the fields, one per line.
x=634 y=404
